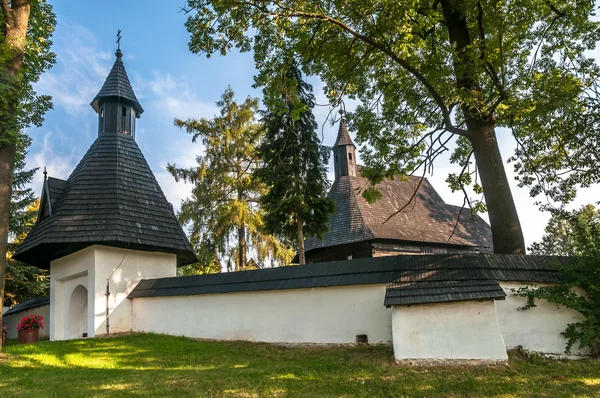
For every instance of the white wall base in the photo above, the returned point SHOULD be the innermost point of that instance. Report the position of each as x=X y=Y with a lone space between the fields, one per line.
x=332 y=315
x=537 y=329
x=91 y=268
x=466 y=330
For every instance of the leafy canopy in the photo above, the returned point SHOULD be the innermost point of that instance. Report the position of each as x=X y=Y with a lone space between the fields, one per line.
x=421 y=79
x=562 y=235
x=37 y=58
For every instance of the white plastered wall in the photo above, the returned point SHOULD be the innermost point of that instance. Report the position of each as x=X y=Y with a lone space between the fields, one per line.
x=66 y=273
x=129 y=266
x=317 y=315
x=91 y=267
x=12 y=320
x=465 y=330
x=537 y=329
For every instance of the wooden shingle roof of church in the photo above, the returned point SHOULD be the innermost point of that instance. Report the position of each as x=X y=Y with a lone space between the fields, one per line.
x=117 y=85
x=111 y=198
x=427 y=218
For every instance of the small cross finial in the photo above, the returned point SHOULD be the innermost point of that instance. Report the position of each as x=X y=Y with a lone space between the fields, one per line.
x=118 y=39
x=45 y=173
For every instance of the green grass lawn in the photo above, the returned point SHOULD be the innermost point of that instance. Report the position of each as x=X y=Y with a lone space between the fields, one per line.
x=156 y=365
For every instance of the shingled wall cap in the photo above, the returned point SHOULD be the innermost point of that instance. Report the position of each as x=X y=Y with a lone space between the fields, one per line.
x=117 y=85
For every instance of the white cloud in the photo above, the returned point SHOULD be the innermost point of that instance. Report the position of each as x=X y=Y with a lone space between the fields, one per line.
x=162 y=84
x=80 y=69
x=59 y=166
x=175 y=99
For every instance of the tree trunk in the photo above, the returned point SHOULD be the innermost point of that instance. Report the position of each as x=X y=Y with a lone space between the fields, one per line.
x=300 y=226
x=504 y=220
x=241 y=248
x=16 y=18
x=241 y=228
x=7 y=162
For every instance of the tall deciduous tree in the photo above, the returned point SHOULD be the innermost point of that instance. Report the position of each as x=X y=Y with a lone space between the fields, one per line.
x=431 y=71
x=224 y=201
x=25 y=31
x=293 y=161
x=566 y=231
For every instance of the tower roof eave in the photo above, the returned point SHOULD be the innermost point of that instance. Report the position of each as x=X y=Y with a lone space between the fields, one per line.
x=108 y=202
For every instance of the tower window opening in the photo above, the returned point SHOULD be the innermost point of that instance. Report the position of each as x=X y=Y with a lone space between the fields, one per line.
x=336 y=158
x=124 y=111
x=350 y=156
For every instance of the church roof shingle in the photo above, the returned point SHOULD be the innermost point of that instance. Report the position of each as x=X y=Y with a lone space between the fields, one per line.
x=117 y=85
x=57 y=187
x=111 y=198
x=426 y=219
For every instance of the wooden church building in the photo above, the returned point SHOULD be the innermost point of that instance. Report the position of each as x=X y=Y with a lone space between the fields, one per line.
x=107 y=226
x=426 y=225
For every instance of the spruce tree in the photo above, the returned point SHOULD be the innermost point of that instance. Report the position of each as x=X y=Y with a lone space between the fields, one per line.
x=23 y=282
x=294 y=167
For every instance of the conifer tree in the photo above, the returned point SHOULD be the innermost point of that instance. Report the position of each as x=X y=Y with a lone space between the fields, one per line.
x=23 y=282
x=294 y=162
x=224 y=202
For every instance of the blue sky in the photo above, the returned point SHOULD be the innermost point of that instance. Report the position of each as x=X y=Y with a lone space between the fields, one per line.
x=171 y=82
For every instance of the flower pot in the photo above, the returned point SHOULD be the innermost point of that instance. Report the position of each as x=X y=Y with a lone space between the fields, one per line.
x=29 y=336
x=3 y=339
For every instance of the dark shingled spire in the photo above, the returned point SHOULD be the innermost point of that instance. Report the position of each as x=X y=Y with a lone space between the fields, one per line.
x=344 y=152
x=343 y=138
x=117 y=85
x=113 y=199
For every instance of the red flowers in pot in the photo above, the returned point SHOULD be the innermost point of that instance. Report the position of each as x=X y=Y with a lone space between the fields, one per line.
x=29 y=328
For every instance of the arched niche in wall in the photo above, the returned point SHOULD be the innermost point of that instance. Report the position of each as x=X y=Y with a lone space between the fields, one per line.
x=78 y=313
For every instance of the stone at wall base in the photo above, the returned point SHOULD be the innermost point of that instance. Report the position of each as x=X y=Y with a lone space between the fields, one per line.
x=450 y=362
x=28 y=336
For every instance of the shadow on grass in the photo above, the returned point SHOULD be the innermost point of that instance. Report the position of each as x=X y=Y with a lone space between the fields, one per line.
x=157 y=365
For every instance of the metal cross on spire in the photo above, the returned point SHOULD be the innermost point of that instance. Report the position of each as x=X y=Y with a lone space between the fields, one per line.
x=118 y=39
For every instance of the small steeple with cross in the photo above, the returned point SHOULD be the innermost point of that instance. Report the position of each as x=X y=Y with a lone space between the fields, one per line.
x=119 y=39
x=116 y=103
